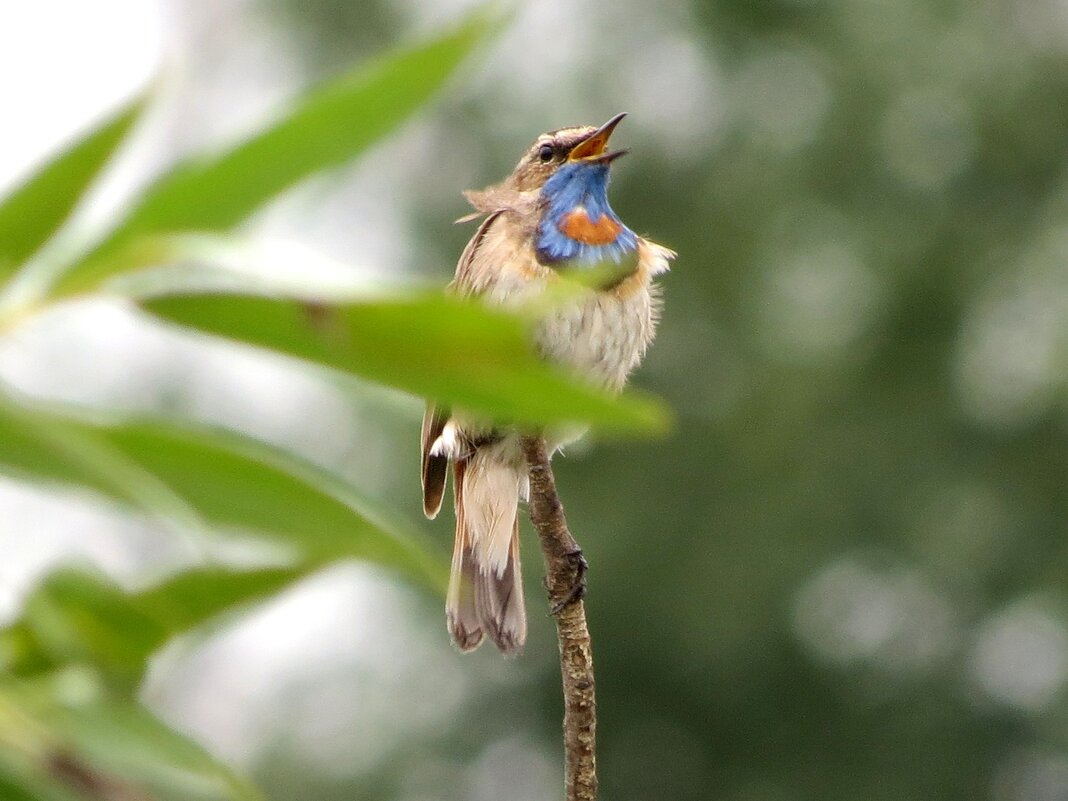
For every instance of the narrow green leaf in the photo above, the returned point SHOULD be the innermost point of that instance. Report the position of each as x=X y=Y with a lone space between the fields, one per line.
x=19 y=782
x=194 y=596
x=55 y=448
x=124 y=739
x=227 y=481
x=92 y=744
x=328 y=127
x=33 y=212
x=437 y=347
x=77 y=617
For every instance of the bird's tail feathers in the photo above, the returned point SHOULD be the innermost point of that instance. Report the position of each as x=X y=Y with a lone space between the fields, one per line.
x=486 y=585
x=460 y=614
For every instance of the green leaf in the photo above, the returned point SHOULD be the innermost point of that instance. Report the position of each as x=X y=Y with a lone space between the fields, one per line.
x=75 y=740
x=453 y=351
x=33 y=212
x=19 y=782
x=194 y=596
x=225 y=481
x=330 y=126
x=75 y=616
x=43 y=445
x=124 y=739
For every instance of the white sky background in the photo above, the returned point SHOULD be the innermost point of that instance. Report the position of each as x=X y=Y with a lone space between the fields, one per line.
x=64 y=64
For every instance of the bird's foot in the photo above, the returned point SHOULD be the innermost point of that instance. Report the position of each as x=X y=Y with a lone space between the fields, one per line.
x=577 y=590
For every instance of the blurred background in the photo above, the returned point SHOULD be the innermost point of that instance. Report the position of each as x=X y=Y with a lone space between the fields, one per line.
x=842 y=575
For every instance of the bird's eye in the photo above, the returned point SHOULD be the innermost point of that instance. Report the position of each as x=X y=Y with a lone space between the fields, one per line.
x=545 y=153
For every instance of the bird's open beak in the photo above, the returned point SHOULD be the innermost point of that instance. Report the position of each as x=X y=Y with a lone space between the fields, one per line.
x=593 y=147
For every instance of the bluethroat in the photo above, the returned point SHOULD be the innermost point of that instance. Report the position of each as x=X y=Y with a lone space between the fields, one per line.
x=548 y=219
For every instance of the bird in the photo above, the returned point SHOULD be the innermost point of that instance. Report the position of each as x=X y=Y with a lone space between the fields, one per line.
x=549 y=220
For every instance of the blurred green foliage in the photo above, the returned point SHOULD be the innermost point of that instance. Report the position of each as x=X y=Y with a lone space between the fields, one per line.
x=70 y=723
x=841 y=576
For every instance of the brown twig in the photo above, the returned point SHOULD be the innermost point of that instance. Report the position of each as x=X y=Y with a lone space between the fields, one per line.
x=565 y=572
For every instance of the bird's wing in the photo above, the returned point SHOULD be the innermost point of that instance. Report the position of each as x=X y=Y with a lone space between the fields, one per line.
x=435 y=467
x=468 y=280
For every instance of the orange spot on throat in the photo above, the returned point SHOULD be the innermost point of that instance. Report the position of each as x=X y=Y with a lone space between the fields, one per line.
x=577 y=225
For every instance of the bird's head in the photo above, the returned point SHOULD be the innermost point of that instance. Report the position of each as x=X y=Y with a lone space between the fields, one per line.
x=573 y=150
x=568 y=169
x=562 y=180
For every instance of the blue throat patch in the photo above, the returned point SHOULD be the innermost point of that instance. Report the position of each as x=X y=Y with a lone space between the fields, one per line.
x=578 y=226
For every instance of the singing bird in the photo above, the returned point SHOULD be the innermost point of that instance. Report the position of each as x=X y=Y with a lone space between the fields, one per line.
x=548 y=219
